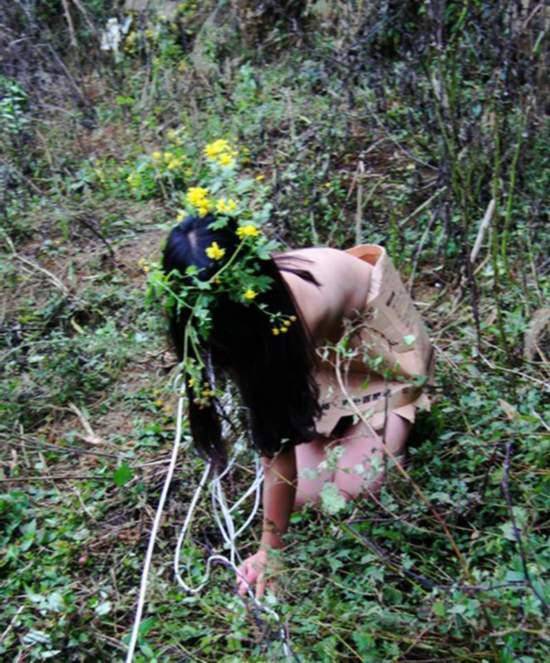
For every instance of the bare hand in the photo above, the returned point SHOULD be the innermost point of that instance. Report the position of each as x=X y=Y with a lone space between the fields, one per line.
x=252 y=573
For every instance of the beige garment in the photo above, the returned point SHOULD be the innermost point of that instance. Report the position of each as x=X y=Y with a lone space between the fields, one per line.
x=391 y=356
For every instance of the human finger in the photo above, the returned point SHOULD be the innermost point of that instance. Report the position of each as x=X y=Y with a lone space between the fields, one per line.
x=243 y=579
x=260 y=587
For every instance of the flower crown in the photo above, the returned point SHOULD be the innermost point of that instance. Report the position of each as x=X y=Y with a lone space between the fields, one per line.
x=231 y=200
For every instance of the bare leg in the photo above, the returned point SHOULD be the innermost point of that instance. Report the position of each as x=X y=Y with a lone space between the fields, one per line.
x=308 y=458
x=355 y=473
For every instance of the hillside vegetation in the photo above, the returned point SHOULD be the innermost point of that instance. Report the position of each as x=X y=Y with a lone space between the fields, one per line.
x=420 y=125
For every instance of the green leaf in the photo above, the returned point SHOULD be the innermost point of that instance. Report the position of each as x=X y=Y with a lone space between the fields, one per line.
x=103 y=608
x=122 y=475
x=439 y=609
x=331 y=499
x=507 y=529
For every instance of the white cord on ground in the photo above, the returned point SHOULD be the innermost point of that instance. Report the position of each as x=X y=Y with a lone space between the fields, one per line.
x=227 y=529
x=154 y=530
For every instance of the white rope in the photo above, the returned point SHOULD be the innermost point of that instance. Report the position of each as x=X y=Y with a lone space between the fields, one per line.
x=154 y=530
x=227 y=529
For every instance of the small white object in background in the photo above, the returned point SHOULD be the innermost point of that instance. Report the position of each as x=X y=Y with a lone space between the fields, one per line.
x=113 y=35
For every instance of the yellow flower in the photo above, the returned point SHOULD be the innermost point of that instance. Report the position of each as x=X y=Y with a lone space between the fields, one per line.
x=283 y=330
x=134 y=180
x=287 y=323
x=250 y=294
x=173 y=164
x=215 y=252
x=213 y=150
x=168 y=156
x=247 y=231
x=226 y=206
x=221 y=152
x=196 y=196
x=191 y=382
x=181 y=215
x=204 y=208
x=156 y=156
x=275 y=331
x=259 y=178
x=226 y=160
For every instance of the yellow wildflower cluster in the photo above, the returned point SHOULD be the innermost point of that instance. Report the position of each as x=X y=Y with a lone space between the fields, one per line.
x=284 y=326
x=145 y=266
x=247 y=231
x=215 y=252
x=169 y=159
x=130 y=42
x=203 y=393
x=250 y=294
x=134 y=180
x=197 y=197
x=172 y=161
x=176 y=136
x=221 y=152
x=226 y=206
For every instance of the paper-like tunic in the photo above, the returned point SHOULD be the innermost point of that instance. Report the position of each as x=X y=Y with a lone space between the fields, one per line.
x=388 y=358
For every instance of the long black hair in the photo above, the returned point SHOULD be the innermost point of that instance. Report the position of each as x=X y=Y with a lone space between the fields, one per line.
x=274 y=374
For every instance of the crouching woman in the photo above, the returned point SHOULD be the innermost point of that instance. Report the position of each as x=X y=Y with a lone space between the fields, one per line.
x=324 y=346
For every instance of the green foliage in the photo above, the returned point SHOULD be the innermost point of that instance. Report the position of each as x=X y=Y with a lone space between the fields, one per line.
x=13 y=101
x=399 y=125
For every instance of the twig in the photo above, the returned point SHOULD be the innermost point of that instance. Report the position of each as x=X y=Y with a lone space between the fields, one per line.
x=37 y=444
x=418 y=252
x=57 y=282
x=486 y=221
x=421 y=208
x=85 y=14
x=19 y=174
x=70 y=25
x=12 y=622
x=58 y=477
x=90 y=437
x=424 y=582
x=505 y=487
x=359 y=210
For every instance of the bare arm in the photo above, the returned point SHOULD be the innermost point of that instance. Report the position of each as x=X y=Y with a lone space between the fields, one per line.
x=278 y=500
x=278 y=496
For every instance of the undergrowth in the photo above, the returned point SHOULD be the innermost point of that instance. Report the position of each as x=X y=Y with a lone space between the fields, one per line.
x=404 y=123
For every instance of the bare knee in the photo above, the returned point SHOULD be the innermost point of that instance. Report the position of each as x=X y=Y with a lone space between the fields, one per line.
x=361 y=469
x=310 y=477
